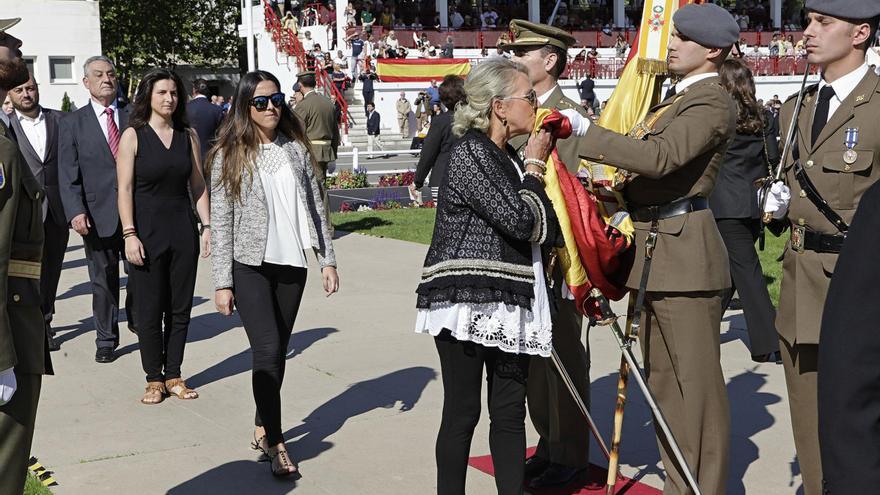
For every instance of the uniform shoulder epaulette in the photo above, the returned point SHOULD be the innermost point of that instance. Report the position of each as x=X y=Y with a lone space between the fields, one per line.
x=809 y=89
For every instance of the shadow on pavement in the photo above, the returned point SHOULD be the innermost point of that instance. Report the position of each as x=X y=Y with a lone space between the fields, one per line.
x=749 y=416
x=241 y=362
x=365 y=223
x=403 y=387
x=79 y=289
x=235 y=478
x=736 y=330
x=70 y=332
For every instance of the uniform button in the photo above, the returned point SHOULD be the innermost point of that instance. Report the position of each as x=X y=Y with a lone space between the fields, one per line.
x=801 y=222
x=16 y=297
x=809 y=163
x=601 y=157
x=802 y=194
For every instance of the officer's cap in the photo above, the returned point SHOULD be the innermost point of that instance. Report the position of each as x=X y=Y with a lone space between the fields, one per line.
x=846 y=9
x=8 y=23
x=707 y=24
x=527 y=33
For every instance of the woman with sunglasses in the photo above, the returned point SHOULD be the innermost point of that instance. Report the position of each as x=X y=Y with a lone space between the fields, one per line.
x=157 y=167
x=267 y=209
x=483 y=295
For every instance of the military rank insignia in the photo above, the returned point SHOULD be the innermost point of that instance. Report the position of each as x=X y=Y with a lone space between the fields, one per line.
x=850 y=141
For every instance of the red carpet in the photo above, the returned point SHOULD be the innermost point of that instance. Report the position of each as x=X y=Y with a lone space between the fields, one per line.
x=590 y=483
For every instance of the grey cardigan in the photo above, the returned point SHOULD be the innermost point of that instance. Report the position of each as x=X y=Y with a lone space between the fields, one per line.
x=239 y=228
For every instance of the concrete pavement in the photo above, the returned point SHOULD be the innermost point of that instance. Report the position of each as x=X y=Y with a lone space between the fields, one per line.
x=361 y=399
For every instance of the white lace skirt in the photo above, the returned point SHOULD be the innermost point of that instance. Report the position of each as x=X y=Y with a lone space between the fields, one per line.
x=508 y=327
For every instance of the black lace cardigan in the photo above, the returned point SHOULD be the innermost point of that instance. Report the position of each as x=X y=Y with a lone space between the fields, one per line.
x=486 y=221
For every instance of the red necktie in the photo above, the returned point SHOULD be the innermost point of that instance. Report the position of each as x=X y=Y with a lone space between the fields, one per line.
x=112 y=132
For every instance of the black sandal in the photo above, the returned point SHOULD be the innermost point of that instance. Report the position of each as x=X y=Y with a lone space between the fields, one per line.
x=257 y=445
x=283 y=468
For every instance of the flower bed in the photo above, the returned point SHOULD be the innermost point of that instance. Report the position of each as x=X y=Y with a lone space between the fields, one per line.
x=350 y=191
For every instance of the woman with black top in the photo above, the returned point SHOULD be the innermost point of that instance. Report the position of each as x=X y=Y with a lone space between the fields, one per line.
x=158 y=167
x=734 y=203
x=439 y=140
x=483 y=294
x=267 y=207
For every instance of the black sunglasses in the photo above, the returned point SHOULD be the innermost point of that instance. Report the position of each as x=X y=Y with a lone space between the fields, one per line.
x=261 y=103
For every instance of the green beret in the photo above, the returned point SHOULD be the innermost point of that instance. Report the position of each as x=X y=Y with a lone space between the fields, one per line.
x=527 y=33
x=707 y=24
x=846 y=9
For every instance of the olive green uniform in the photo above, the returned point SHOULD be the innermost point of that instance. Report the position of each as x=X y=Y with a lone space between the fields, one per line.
x=22 y=333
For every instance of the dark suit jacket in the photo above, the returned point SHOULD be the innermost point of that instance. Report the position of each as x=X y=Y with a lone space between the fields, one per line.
x=435 y=150
x=373 y=123
x=87 y=169
x=205 y=118
x=586 y=90
x=735 y=194
x=45 y=170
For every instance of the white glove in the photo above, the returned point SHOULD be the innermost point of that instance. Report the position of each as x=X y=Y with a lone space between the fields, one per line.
x=777 y=200
x=7 y=385
x=579 y=123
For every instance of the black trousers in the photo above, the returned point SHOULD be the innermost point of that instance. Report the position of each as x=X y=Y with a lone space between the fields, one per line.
x=17 y=432
x=162 y=291
x=368 y=98
x=461 y=365
x=54 y=247
x=103 y=255
x=739 y=235
x=268 y=298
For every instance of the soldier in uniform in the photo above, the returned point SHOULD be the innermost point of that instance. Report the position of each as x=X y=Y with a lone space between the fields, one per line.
x=564 y=445
x=674 y=161
x=319 y=115
x=837 y=144
x=24 y=355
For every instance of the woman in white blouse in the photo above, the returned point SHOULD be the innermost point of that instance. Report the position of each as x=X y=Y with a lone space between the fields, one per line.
x=267 y=209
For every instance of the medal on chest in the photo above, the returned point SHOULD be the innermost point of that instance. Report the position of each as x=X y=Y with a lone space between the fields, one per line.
x=851 y=140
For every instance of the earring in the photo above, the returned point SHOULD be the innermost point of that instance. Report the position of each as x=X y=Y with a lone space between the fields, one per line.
x=504 y=122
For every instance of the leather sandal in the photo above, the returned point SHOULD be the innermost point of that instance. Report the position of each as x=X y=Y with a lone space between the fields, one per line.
x=257 y=445
x=154 y=393
x=177 y=387
x=283 y=466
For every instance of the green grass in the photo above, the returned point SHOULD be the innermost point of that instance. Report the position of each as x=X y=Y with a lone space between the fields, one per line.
x=34 y=487
x=417 y=225
x=407 y=224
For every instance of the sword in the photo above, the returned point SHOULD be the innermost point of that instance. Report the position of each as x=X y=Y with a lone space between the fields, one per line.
x=786 y=149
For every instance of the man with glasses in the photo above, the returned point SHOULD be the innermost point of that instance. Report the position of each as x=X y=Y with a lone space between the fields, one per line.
x=564 y=444
x=673 y=157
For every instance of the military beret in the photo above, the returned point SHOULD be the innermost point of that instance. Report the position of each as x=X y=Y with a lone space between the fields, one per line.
x=527 y=33
x=707 y=24
x=305 y=73
x=847 y=9
x=8 y=23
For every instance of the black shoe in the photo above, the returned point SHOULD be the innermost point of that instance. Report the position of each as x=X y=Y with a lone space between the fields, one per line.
x=535 y=466
x=555 y=475
x=50 y=342
x=773 y=357
x=105 y=355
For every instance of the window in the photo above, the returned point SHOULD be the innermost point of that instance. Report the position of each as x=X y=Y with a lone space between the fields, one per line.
x=60 y=69
x=30 y=62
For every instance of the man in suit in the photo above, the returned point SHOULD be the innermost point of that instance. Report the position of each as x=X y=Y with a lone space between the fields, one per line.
x=564 y=445
x=586 y=90
x=367 y=78
x=37 y=131
x=673 y=162
x=204 y=117
x=89 y=141
x=374 y=121
x=24 y=356
x=403 y=109
x=838 y=151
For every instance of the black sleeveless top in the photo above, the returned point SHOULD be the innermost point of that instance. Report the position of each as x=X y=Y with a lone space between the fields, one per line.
x=162 y=208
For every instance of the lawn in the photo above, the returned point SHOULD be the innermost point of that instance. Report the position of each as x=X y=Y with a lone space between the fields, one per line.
x=417 y=225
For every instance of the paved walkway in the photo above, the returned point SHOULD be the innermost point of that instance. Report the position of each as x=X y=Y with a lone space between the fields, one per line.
x=361 y=402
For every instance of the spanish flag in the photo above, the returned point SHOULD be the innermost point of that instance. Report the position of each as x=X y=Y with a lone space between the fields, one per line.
x=421 y=70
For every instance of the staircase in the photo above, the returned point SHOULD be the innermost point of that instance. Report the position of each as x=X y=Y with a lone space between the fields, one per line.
x=357 y=132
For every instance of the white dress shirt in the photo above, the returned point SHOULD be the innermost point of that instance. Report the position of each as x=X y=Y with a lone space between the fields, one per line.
x=843 y=86
x=35 y=131
x=102 y=117
x=546 y=96
x=688 y=81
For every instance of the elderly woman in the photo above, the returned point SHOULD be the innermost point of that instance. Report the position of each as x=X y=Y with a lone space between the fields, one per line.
x=483 y=295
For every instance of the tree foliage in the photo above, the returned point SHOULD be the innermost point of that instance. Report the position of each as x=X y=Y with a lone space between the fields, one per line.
x=140 y=35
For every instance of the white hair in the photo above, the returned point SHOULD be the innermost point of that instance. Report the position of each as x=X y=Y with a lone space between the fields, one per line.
x=489 y=80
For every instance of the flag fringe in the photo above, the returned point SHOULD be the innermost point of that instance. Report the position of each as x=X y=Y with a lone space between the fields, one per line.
x=652 y=67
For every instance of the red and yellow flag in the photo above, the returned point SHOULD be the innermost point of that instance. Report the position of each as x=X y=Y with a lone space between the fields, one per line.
x=421 y=70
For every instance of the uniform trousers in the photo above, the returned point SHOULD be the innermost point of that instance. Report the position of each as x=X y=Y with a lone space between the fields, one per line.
x=17 y=432
x=461 y=366
x=565 y=435
x=680 y=340
x=739 y=235
x=163 y=295
x=801 y=365
x=268 y=298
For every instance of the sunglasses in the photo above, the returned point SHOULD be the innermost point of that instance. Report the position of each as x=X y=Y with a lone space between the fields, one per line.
x=530 y=97
x=261 y=103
